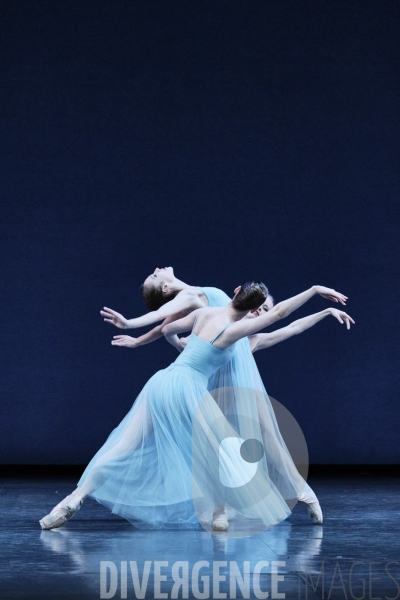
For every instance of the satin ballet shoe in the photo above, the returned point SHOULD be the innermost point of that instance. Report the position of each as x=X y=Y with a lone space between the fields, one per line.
x=63 y=502
x=204 y=520
x=220 y=522
x=313 y=508
x=61 y=515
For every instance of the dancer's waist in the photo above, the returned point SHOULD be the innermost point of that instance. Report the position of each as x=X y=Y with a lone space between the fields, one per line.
x=188 y=369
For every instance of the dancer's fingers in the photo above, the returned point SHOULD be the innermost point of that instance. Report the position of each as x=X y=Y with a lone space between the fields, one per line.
x=346 y=316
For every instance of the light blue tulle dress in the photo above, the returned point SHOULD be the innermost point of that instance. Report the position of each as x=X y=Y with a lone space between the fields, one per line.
x=152 y=473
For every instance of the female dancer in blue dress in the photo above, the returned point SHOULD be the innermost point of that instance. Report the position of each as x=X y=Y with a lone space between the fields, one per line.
x=143 y=471
x=168 y=299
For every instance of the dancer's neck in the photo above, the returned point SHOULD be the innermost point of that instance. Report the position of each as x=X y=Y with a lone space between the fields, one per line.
x=179 y=285
x=234 y=314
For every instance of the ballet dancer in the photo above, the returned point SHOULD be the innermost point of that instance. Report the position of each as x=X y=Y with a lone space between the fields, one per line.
x=143 y=471
x=169 y=298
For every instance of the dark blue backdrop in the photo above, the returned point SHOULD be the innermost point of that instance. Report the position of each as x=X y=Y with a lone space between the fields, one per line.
x=232 y=140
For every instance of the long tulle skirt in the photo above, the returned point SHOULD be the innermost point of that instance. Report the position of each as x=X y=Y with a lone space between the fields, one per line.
x=176 y=456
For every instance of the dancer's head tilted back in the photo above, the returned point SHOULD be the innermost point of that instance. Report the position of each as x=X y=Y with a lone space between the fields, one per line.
x=250 y=296
x=157 y=288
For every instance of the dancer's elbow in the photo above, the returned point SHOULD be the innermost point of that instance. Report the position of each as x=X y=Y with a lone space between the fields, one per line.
x=280 y=312
x=295 y=329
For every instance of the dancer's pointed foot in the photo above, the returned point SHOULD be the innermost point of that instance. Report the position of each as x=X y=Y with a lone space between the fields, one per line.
x=220 y=522
x=61 y=515
x=313 y=508
x=64 y=502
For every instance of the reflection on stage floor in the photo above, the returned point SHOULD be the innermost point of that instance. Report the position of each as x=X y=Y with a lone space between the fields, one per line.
x=355 y=549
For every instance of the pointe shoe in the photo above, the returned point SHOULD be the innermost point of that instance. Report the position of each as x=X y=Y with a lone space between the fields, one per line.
x=204 y=519
x=220 y=522
x=63 y=503
x=313 y=508
x=61 y=515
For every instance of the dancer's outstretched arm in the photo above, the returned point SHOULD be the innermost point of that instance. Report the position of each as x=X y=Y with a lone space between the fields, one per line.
x=171 y=330
x=259 y=341
x=184 y=300
x=247 y=327
x=152 y=335
x=288 y=306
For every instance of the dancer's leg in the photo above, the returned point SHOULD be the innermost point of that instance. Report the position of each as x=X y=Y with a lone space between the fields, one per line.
x=133 y=436
x=285 y=468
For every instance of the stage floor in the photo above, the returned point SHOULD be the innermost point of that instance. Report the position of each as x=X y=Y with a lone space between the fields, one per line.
x=357 y=544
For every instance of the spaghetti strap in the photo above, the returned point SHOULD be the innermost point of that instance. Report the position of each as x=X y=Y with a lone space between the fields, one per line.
x=220 y=333
x=195 y=321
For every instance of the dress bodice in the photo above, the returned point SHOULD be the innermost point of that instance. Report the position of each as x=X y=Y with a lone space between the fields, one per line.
x=200 y=354
x=203 y=356
x=215 y=296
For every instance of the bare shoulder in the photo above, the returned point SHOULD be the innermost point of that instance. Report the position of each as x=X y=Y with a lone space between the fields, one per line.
x=196 y=297
x=237 y=331
x=205 y=314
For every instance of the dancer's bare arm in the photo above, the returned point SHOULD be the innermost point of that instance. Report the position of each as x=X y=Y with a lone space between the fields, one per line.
x=185 y=300
x=279 y=311
x=171 y=330
x=184 y=341
x=288 y=306
x=259 y=341
x=147 y=338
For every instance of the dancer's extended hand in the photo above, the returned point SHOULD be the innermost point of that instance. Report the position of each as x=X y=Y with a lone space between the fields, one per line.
x=115 y=318
x=125 y=340
x=331 y=294
x=341 y=316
